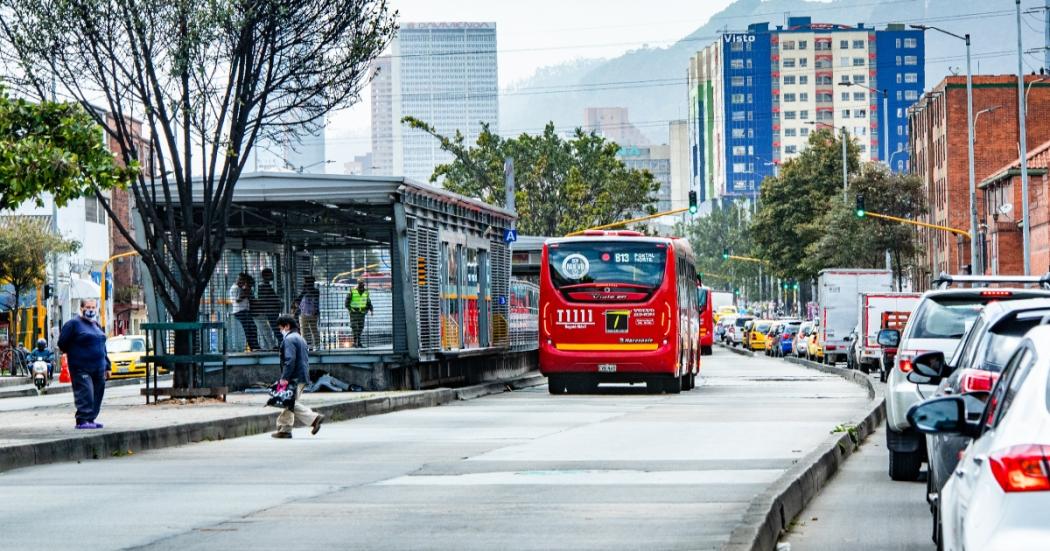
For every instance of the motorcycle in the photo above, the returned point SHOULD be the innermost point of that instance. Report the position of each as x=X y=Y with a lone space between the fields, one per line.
x=40 y=372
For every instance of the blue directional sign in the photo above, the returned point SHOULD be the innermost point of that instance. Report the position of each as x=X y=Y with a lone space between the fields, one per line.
x=510 y=236
x=502 y=300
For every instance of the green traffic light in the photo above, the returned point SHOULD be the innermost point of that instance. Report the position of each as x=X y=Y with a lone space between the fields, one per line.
x=692 y=209
x=860 y=213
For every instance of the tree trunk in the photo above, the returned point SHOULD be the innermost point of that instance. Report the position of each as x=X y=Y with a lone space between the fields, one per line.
x=184 y=343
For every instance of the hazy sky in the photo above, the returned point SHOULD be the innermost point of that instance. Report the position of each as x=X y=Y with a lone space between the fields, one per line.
x=563 y=30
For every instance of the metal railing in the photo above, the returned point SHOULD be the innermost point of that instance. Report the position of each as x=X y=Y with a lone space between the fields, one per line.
x=524 y=315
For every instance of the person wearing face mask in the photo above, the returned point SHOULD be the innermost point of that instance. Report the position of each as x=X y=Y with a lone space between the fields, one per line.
x=84 y=343
x=295 y=372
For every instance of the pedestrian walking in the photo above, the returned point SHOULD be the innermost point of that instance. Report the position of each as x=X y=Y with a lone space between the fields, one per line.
x=359 y=304
x=295 y=372
x=308 y=305
x=84 y=343
x=266 y=309
x=241 y=299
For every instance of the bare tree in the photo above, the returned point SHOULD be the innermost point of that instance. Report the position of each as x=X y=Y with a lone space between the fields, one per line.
x=208 y=79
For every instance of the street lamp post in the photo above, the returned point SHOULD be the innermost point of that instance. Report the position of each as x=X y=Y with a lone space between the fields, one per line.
x=885 y=115
x=1026 y=226
x=974 y=267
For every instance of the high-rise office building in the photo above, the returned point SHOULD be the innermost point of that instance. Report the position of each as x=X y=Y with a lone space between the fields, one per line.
x=443 y=74
x=756 y=96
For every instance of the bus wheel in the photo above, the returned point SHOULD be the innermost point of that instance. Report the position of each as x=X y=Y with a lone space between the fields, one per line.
x=673 y=385
x=705 y=350
x=654 y=385
x=556 y=384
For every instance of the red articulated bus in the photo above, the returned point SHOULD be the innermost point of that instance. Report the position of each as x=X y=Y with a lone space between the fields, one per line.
x=618 y=307
x=707 y=321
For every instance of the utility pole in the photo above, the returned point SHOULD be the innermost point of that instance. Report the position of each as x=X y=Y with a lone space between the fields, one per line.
x=1046 y=35
x=845 y=169
x=1026 y=227
x=56 y=310
x=975 y=268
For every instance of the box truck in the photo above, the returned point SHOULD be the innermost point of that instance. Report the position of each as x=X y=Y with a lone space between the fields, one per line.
x=877 y=311
x=838 y=290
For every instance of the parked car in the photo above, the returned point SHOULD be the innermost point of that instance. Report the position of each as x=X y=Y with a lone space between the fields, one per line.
x=801 y=344
x=974 y=367
x=999 y=496
x=938 y=324
x=736 y=331
x=815 y=345
x=125 y=353
x=771 y=337
x=722 y=328
x=786 y=339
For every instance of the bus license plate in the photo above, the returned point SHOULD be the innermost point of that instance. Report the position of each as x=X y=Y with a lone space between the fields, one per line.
x=607 y=368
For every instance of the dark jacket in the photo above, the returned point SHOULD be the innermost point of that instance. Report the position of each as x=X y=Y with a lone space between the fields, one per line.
x=266 y=301
x=84 y=344
x=295 y=358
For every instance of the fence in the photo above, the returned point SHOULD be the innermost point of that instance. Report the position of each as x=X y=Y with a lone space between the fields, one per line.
x=524 y=315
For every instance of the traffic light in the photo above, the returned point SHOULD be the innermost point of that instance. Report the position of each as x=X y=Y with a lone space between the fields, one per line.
x=796 y=285
x=725 y=253
x=48 y=291
x=736 y=291
x=692 y=202
x=860 y=206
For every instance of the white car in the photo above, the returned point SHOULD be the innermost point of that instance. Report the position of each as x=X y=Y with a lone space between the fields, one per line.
x=998 y=498
x=937 y=325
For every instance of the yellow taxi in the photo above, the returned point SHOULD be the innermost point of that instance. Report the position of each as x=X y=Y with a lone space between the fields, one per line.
x=724 y=311
x=816 y=345
x=757 y=334
x=124 y=353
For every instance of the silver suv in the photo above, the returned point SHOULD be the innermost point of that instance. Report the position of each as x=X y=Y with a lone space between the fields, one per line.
x=939 y=323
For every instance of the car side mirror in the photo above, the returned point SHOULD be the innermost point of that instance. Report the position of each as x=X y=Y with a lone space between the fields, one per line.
x=889 y=337
x=929 y=368
x=945 y=415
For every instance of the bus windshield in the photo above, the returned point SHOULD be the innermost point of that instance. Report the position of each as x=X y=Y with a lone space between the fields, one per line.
x=606 y=263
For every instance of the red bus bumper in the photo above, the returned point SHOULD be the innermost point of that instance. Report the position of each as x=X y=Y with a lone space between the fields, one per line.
x=611 y=364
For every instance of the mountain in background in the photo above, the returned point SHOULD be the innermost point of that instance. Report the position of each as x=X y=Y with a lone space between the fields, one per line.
x=651 y=82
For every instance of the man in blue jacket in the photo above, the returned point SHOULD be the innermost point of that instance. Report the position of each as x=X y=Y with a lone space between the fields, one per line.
x=84 y=343
x=295 y=372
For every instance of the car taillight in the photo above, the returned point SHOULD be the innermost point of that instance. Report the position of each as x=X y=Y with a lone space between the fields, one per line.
x=976 y=380
x=994 y=293
x=1023 y=468
x=832 y=347
x=904 y=359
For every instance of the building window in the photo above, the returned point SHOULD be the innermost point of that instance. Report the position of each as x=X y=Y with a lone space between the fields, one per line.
x=858 y=79
x=789 y=62
x=790 y=132
x=738 y=116
x=859 y=96
x=911 y=78
x=803 y=62
x=737 y=98
x=858 y=44
x=863 y=148
x=859 y=62
x=803 y=44
x=789 y=79
x=845 y=78
x=787 y=45
x=804 y=131
x=790 y=149
x=803 y=79
x=911 y=60
x=93 y=210
x=749 y=81
x=739 y=63
x=900 y=95
x=823 y=64
x=739 y=167
x=860 y=113
x=845 y=96
x=736 y=82
x=739 y=150
x=736 y=47
x=789 y=115
x=898 y=59
x=789 y=98
x=824 y=80
x=803 y=96
x=803 y=115
x=738 y=133
x=860 y=131
x=911 y=43
x=898 y=43
x=843 y=44
x=911 y=95
x=900 y=78
x=844 y=61
x=845 y=113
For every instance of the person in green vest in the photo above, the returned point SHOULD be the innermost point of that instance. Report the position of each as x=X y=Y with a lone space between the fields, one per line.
x=359 y=304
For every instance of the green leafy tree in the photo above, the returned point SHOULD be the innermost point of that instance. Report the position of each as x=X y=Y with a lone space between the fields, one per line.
x=207 y=81
x=793 y=206
x=853 y=242
x=727 y=226
x=55 y=148
x=561 y=186
x=26 y=244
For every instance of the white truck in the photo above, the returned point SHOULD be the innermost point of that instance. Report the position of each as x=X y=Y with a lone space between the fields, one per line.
x=838 y=290
x=877 y=311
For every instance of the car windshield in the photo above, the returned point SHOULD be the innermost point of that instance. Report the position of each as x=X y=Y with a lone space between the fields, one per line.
x=704 y=294
x=118 y=346
x=762 y=327
x=741 y=321
x=607 y=262
x=946 y=318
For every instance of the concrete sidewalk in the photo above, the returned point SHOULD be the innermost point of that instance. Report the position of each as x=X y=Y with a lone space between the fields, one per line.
x=25 y=388
x=39 y=430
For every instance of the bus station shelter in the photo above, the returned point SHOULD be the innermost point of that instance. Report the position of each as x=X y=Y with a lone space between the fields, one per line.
x=435 y=263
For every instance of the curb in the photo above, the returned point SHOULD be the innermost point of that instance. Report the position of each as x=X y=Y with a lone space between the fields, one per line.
x=66 y=389
x=117 y=444
x=14 y=381
x=771 y=512
x=739 y=351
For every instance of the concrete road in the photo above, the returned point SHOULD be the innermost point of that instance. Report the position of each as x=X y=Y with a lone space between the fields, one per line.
x=522 y=470
x=861 y=509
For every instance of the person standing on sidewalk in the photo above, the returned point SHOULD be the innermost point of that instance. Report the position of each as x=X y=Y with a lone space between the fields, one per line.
x=267 y=311
x=295 y=372
x=84 y=343
x=308 y=303
x=359 y=304
x=241 y=299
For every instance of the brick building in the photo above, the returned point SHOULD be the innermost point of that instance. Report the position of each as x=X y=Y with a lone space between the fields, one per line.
x=1001 y=210
x=938 y=146
x=125 y=291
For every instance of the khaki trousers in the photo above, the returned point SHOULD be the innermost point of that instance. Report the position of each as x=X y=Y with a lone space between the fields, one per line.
x=300 y=413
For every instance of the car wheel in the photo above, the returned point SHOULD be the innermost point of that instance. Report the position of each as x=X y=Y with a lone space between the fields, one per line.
x=905 y=466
